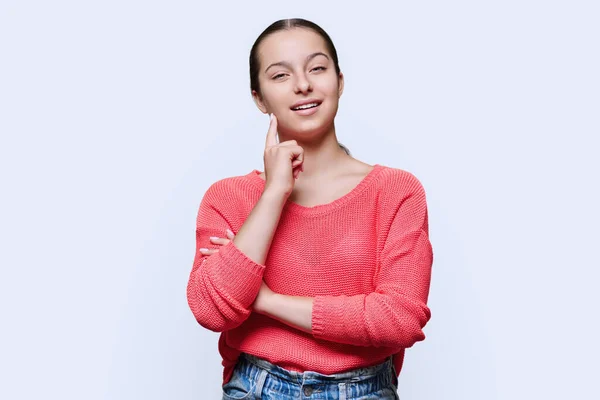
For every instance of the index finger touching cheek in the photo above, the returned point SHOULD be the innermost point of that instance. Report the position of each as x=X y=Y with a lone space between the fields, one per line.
x=272 y=132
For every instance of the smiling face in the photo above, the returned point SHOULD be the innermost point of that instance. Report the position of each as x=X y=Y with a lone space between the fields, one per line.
x=295 y=68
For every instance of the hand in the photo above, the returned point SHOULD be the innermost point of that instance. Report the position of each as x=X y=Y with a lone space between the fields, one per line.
x=283 y=161
x=219 y=241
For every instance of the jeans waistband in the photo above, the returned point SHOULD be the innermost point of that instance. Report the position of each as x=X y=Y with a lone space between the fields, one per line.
x=381 y=373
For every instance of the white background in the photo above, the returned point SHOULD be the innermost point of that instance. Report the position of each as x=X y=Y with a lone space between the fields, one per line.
x=116 y=116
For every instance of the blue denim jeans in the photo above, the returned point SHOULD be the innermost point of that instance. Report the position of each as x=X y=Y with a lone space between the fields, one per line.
x=256 y=378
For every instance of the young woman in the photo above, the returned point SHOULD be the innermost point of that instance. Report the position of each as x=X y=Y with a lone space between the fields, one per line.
x=317 y=270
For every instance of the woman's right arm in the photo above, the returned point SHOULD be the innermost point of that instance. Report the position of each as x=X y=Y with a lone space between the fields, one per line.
x=222 y=286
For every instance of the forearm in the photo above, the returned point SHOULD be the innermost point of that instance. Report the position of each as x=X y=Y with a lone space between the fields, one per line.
x=295 y=311
x=256 y=234
x=223 y=285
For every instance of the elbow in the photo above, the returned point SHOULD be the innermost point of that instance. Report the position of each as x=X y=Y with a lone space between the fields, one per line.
x=207 y=319
x=214 y=324
x=214 y=314
x=405 y=330
x=411 y=330
x=403 y=337
x=410 y=336
x=203 y=314
x=213 y=319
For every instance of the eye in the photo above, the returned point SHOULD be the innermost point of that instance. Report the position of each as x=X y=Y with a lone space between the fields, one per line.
x=277 y=76
x=316 y=68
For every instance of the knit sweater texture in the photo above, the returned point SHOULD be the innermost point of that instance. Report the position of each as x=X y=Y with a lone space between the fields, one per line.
x=365 y=258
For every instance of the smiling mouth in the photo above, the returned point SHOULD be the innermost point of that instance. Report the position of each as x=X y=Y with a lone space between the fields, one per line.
x=306 y=106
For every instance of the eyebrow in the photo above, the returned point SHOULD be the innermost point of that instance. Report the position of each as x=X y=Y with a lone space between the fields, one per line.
x=286 y=64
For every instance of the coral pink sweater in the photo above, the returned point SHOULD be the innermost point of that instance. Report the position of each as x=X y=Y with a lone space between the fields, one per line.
x=365 y=258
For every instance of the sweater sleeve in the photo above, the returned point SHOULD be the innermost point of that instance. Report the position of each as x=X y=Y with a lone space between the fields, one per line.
x=394 y=314
x=222 y=286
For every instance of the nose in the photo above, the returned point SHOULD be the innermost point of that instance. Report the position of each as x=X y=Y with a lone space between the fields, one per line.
x=303 y=85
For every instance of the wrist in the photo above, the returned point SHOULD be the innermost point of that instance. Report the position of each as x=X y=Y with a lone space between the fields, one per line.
x=275 y=196
x=268 y=304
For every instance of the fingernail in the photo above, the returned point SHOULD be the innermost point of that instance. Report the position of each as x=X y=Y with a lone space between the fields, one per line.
x=213 y=237
x=229 y=231
x=203 y=249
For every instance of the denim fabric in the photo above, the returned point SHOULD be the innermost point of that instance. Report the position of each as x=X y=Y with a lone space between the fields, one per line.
x=256 y=378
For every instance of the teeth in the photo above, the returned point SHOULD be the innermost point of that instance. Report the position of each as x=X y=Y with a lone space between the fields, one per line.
x=302 y=107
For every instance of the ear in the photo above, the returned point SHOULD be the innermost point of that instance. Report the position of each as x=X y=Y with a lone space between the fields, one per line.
x=259 y=102
x=340 y=85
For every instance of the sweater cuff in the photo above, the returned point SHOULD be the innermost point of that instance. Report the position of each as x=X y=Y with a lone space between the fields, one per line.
x=331 y=317
x=318 y=321
x=238 y=275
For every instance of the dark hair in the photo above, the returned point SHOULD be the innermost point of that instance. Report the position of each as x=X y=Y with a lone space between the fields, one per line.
x=287 y=24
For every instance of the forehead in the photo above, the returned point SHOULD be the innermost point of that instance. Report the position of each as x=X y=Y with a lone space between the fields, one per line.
x=290 y=45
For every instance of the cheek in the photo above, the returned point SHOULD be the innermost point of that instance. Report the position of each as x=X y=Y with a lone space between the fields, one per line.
x=329 y=88
x=277 y=99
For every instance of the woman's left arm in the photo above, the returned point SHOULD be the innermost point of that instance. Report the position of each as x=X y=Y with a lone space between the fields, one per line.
x=395 y=313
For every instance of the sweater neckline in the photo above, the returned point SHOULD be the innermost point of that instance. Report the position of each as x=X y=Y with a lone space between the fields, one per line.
x=319 y=209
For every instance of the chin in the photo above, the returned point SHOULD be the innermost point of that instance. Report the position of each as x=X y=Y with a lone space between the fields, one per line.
x=305 y=127
x=312 y=122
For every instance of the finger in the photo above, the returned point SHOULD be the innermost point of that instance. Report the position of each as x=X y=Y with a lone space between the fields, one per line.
x=300 y=156
x=208 y=252
x=296 y=163
x=230 y=234
x=272 y=132
x=288 y=143
x=218 y=240
x=296 y=154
